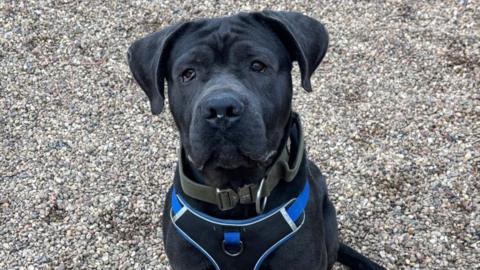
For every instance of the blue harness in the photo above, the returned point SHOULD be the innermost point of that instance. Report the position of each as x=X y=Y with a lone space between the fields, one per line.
x=239 y=244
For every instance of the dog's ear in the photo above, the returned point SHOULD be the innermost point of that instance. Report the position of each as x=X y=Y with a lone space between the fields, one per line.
x=305 y=38
x=147 y=58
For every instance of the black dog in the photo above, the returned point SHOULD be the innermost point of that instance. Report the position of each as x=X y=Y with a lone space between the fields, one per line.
x=245 y=195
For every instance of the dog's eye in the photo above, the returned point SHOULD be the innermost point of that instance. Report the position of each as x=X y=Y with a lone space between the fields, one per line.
x=258 y=66
x=188 y=75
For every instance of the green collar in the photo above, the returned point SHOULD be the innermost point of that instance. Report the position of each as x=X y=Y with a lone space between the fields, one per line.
x=228 y=198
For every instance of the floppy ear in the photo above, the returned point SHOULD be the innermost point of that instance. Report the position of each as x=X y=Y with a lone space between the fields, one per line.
x=147 y=58
x=305 y=38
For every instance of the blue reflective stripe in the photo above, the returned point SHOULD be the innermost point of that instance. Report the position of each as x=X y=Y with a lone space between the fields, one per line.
x=231 y=238
x=176 y=206
x=296 y=209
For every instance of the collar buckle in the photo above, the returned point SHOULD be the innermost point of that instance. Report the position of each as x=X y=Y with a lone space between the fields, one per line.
x=226 y=199
x=247 y=193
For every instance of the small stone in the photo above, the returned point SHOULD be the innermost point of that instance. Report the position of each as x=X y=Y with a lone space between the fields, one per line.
x=61 y=266
x=43 y=259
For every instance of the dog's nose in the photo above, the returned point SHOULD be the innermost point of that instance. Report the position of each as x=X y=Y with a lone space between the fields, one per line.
x=222 y=110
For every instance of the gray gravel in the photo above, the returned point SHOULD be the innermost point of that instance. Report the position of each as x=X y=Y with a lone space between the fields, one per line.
x=394 y=122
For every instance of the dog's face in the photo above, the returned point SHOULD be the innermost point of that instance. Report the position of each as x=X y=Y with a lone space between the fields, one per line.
x=230 y=92
x=229 y=84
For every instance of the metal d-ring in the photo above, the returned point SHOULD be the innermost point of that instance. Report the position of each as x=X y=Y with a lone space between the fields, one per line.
x=259 y=203
x=233 y=254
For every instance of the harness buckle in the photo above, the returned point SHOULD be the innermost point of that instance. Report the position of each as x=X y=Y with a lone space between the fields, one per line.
x=226 y=199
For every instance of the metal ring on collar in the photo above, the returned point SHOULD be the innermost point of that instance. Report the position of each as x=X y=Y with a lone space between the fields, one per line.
x=259 y=202
x=234 y=254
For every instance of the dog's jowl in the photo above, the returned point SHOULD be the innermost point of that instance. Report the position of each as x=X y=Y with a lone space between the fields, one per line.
x=245 y=194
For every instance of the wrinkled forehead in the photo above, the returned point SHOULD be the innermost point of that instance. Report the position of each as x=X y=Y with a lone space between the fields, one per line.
x=222 y=34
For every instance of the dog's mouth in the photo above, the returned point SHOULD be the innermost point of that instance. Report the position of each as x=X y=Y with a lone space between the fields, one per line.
x=230 y=157
x=242 y=146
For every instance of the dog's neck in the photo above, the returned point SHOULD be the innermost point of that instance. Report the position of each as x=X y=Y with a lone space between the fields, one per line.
x=282 y=193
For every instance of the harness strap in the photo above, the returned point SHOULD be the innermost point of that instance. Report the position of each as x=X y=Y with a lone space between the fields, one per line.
x=298 y=206
x=232 y=238
x=294 y=211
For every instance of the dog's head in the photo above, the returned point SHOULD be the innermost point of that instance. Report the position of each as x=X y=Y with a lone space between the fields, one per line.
x=229 y=83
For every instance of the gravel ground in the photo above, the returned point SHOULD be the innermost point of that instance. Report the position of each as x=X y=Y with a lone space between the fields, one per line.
x=394 y=122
